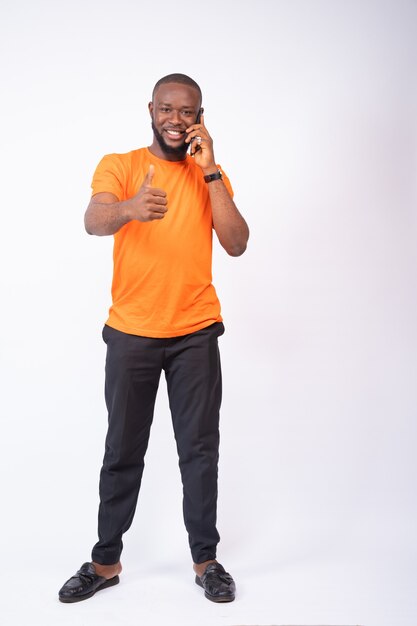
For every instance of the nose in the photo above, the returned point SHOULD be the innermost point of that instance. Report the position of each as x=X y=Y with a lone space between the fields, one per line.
x=175 y=116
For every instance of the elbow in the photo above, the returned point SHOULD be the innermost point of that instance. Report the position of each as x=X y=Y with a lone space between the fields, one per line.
x=87 y=225
x=236 y=250
x=89 y=228
x=238 y=246
x=234 y=243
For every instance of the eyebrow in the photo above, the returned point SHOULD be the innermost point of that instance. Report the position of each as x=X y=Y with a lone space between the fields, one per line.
x=168 y=104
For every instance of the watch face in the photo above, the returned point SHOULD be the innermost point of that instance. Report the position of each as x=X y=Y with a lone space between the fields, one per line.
x=216 y=176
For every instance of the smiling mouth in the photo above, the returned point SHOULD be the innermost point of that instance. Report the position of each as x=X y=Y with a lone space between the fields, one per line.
x=175 y=134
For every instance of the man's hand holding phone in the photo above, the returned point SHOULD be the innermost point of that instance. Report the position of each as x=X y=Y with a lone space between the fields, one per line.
x=201 y=146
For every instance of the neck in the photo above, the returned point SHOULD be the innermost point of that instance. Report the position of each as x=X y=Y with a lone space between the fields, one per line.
x=159 y=152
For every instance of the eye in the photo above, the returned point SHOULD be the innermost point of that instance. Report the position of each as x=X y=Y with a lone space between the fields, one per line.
x=188 y=113
x=164 y=109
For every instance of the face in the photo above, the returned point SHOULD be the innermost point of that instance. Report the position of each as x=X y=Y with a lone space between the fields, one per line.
x=175 y=107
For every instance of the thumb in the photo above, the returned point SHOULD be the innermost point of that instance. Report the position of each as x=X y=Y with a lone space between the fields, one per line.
x=149 y=176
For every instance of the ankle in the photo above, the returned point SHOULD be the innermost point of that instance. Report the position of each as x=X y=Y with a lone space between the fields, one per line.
x=107 y=571
x=200 y=568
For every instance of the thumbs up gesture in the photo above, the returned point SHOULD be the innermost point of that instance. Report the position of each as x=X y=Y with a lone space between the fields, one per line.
x=150 y=203
x=149 y=176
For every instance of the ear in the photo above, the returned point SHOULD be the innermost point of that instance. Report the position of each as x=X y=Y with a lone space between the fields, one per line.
x=201 y=111
x=150 y=108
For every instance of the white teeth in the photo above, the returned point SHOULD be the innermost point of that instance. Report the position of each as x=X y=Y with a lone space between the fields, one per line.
x=174 y=132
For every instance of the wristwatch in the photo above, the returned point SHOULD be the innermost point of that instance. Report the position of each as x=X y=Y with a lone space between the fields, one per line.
x=216 y=176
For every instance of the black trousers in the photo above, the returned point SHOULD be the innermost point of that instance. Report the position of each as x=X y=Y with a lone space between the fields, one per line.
x=192 y=369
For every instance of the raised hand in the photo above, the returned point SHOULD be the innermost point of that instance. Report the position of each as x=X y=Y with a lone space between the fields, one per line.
x=201 y=145
x=150 y=203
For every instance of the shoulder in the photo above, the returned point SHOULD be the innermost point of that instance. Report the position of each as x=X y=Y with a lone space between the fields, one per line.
x=126 y=157
x=122 y=162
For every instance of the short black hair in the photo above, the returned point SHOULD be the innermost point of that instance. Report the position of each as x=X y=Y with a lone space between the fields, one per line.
x=183 y=79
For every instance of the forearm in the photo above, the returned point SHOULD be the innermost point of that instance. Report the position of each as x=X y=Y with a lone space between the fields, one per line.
x=107 y=218
x=105 y=215
x=230 y=227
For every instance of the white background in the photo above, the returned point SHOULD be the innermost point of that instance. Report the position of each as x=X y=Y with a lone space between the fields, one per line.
x=313 y=109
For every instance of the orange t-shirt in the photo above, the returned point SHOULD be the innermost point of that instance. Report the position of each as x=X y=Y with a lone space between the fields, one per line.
x=162 y=269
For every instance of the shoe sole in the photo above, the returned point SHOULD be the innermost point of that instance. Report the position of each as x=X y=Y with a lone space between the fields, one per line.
x=109 y=583
x=214 y=598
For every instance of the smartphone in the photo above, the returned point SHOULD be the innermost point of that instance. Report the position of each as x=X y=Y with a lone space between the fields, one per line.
x=197 y=121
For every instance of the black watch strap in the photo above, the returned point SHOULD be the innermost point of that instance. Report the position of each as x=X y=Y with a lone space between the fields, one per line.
x=216 y=176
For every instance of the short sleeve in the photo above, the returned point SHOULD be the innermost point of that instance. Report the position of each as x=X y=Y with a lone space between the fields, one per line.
x=109 y=177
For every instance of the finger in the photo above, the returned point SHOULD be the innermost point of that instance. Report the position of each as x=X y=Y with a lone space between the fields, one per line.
x=157 y=212
x=155 y=191
x=149 y=176
x=195 y=147
x=188 y=137
x=196 y=128
x=157 y=201
x=199 y=126
x=154 y=196
x=195 y=138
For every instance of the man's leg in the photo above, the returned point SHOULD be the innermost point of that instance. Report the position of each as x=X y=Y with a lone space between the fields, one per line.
x=133 y=368
x=193 y=373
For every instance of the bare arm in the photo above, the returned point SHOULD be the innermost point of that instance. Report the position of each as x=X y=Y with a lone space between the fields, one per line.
x=105 y=215
x=231 y=228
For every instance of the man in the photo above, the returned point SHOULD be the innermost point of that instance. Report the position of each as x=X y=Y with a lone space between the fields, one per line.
x=161 y=206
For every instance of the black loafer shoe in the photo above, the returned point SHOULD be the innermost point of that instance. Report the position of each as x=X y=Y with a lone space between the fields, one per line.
x=84 y=584
x=218 y=585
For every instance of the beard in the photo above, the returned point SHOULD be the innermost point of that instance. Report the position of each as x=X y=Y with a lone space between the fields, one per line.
x=178 y=151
